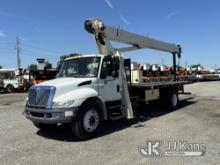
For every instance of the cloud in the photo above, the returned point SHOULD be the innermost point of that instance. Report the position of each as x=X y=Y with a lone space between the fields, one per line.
x=2 y=34
x=171 y=14
x=124 y=19
x=109 y=3
x=111 y=6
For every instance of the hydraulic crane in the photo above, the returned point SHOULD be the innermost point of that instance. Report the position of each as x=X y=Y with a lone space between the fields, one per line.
x=104 y=34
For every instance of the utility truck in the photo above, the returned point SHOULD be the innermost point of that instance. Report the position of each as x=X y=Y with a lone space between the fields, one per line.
x=92 y=88
x=43 y=72
x=1 y=84
x=12 y=79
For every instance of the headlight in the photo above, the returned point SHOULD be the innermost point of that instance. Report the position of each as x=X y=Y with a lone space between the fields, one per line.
x=63 y=104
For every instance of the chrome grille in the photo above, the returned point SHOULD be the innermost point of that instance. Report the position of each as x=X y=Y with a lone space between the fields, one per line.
x=38 y=97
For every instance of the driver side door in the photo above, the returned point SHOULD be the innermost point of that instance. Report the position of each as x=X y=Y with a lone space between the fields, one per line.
x=110 y=83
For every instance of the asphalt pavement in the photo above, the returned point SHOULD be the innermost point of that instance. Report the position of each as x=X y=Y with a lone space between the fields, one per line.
x=195 y=126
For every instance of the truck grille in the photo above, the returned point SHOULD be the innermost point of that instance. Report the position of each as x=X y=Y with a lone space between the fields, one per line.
x=38 y=97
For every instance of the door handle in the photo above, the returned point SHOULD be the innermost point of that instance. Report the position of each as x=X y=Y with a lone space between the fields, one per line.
x=118 y=88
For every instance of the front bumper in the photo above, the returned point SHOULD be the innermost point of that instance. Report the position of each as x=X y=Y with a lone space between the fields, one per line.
x=50 y=116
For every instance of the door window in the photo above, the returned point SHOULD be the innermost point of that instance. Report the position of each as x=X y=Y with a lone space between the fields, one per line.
x=110 y=66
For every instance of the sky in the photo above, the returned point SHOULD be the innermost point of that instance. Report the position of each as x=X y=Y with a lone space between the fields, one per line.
x=51 y=28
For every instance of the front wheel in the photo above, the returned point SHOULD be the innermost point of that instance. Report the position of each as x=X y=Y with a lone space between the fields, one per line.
x=88 y=122
x=10 y=88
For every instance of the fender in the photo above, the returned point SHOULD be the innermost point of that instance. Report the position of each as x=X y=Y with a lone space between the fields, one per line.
x=8 y=82
x=81 y=95
x=101 y=104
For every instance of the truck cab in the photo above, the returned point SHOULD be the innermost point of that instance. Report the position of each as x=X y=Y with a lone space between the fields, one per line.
x=85 y=85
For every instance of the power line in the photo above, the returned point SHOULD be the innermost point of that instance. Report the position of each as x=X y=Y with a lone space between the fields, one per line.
x=28 y=54
x=41 y=52
x=38 y=53
x=6 y=43
x=6 y=52
x=43 y=49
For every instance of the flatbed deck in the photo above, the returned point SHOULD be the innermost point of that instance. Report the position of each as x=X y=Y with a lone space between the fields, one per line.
x=156 y=85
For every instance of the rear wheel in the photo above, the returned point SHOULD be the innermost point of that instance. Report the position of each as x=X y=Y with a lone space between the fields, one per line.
x=170 y=99
x=88 y=122
x=10 y=88
x=173 y=100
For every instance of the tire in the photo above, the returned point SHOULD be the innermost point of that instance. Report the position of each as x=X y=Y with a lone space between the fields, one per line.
x=170 y=99
x=88 y=121
x=10 y=88
x=173 y=100
x=42 y=126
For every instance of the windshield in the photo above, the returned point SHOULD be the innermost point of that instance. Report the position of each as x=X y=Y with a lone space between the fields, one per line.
x=80 y=67
x=7 y=75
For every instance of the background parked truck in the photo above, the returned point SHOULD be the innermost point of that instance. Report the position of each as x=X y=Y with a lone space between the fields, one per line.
x=12 y=79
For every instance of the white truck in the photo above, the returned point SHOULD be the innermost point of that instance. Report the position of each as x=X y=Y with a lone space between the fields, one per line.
x=1 y=84
x=11 y=79
x=92 y=88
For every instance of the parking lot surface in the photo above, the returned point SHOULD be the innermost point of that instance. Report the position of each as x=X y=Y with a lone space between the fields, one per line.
x=197 y=121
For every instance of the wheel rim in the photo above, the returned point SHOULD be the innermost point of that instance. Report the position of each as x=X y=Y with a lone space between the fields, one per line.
x=174 y=100
x=10 y=89
x=91 y=120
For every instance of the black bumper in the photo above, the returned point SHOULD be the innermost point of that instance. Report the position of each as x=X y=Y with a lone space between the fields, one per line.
x=49 y=116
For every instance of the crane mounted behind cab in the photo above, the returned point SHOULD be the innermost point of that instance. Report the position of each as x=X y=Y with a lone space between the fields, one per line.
x=97 y=87
x=105 y=34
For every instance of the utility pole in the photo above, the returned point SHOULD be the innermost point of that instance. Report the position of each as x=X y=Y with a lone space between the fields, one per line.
x=186 y=64
x=162 y=62
x=18 y=49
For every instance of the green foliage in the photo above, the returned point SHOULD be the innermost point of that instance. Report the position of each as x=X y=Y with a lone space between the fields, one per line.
x=196 y=65
x=63 y=57
x=32 y=67
x=0 y=67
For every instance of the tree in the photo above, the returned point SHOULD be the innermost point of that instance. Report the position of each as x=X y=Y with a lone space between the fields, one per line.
x=196 y=66
x=0 y=67
x=32 y=67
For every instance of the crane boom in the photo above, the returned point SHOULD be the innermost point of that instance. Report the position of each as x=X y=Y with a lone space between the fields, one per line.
x=104 y=34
